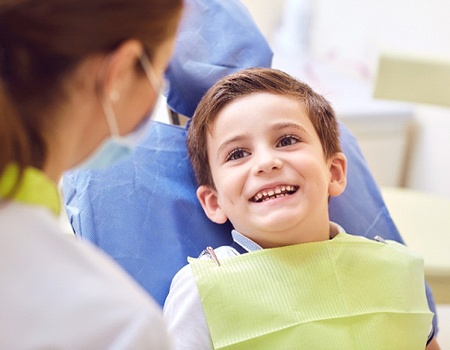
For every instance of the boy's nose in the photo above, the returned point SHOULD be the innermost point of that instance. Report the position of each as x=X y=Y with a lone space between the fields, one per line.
x=267 y=161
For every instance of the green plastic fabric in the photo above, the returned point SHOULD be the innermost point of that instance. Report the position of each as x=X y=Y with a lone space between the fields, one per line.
x=345 y=293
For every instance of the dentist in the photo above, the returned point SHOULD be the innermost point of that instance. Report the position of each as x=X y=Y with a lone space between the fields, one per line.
x=76 y=76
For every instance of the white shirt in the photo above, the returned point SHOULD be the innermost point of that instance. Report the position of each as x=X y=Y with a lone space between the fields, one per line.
x=183 y=311
x=60 y=293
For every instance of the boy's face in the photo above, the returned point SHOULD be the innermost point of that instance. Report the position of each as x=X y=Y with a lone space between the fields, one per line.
x=272 y=179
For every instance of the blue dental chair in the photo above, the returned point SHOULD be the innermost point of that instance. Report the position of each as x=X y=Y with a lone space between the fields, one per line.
x=143 y=211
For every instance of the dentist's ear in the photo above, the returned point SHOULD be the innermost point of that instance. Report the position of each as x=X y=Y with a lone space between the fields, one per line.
x=210 y=204
x=118 y=66
x=338 y=174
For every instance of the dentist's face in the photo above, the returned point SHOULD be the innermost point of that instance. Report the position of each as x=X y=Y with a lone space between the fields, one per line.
x=272 y=179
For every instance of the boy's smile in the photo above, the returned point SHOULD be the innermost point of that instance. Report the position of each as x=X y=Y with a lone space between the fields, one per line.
x=272 y=180
x=272 y=193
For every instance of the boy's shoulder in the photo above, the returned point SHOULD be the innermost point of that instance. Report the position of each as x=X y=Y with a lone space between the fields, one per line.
x=185 y=273
x=386 y=250
x=220 y=252
x=345 y=237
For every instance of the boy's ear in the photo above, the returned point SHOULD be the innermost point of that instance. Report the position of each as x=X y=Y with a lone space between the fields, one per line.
x=210 y=204
x=338 y=172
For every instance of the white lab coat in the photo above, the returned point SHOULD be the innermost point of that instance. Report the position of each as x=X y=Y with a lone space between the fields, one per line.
x=60 y=293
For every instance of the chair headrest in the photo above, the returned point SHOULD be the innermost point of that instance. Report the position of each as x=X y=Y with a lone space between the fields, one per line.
x=216 y=38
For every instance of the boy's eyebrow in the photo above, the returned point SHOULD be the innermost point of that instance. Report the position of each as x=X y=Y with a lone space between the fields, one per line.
x=285 y=125
x=233 y=139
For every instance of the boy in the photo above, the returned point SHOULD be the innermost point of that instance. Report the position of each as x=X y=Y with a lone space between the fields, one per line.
x=266 y=154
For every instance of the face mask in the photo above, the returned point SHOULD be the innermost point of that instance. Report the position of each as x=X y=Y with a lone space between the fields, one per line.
x=116 y=148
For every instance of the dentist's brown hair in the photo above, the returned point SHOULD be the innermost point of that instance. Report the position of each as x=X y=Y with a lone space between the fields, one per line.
x=43 y=41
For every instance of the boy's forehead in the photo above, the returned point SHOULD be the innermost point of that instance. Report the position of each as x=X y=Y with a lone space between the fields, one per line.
x=247 y=102
x=273 y=110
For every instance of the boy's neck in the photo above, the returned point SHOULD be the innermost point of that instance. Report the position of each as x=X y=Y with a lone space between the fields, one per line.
x=249 y=245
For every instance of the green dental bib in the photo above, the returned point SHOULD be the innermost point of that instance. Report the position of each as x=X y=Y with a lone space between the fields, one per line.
x=346 y=293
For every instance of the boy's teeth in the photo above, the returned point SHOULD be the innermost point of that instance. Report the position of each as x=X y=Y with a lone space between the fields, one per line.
x=277 y=192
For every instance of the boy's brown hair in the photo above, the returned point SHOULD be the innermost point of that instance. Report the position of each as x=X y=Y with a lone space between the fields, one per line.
x=244 y=83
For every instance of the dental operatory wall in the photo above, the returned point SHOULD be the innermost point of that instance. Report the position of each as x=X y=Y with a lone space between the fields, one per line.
x=334 y=45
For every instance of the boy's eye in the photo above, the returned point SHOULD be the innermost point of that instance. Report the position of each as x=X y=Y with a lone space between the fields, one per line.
x=287 y=140
x=237 y=153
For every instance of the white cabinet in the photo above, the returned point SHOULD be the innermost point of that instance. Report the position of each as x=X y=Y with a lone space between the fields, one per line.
x=384 y=140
